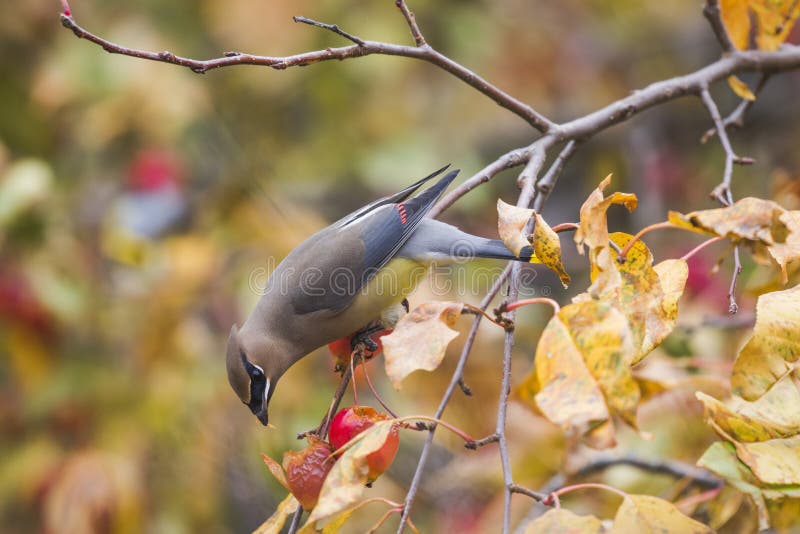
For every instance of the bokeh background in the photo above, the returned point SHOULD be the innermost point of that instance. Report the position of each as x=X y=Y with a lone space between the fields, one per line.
x=140 y=205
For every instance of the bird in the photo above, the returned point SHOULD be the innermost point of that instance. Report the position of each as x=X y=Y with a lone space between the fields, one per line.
x=352 y=276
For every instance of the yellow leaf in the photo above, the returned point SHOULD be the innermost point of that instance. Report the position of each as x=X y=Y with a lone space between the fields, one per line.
x=547 y=247
x=643 y=514
x=774 y=346
x=720 y=458
x=593 y=230
x=276 y=470
x=736 y=17
x=774 y=415
x=511 y=222
x=582 y=369
x=562 y=521
x=775 y=462
x=775 y=19
x=741 y=88
x=420 y=339
x=344 y=485
x=782 y=254
x=647 y=295
x=275 y=523
x=749 y=219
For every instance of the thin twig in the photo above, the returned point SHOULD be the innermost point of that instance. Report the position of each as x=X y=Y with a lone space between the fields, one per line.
x=330 y=27
x=411 y=20
x=457 y=374
x=361 y=49
x=733 y=307
x=736 y=117
x=296 y=518
x=478 y=443
x=722 y=192
x=522 y=490
x=713 y=14
x=374 y=391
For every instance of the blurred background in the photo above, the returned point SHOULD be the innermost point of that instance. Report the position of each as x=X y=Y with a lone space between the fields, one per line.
x=141 y=206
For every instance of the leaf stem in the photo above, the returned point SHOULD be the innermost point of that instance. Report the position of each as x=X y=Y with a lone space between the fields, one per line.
x=507 y=307
x=700 y=247
x=585 y=485
x=646 y=230
x=565 y=227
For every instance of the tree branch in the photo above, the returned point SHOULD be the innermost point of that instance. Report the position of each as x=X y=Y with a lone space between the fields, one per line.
x=411 y=20
x=713 y=14
x=360 y=49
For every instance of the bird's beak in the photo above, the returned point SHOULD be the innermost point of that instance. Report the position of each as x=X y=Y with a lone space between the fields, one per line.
x=262 y=415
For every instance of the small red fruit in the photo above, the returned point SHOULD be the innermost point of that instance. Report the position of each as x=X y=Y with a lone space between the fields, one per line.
x=306 y=471
x=350 y=422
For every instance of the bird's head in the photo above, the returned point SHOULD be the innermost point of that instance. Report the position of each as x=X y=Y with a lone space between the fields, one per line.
x=253 y=371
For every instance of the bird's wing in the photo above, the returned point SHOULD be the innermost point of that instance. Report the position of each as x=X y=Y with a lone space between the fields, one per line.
x=391 y=199
x=344 y=257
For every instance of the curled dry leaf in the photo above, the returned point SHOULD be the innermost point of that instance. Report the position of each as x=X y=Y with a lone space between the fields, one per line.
x=593 y=229
x=274 y=525
x=783 y=254
x=276 y=470
x=511 y=222
x=750 y=219
x=420 y=339
x=646 y=514
x=562 y=521
x=511 y=225
x=344 y=485
x=774 y=347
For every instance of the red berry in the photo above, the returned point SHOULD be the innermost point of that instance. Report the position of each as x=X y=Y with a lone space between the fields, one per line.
x=306 y=471
x=341 y=348
x=350 y=422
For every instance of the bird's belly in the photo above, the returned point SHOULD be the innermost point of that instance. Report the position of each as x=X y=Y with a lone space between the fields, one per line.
x=394 y=282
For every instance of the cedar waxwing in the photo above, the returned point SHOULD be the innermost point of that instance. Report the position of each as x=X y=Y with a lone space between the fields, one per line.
x=349 y=275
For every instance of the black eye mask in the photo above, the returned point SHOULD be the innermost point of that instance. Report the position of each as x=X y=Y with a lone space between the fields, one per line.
x=257 y=383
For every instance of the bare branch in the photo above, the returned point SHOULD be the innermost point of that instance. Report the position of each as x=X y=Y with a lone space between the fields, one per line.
x=535 y=495
x=360 y=49
x=330 y=27
x=713 y=14
x=723 y=191
x=698 y=476
x=733 y=307
x=736 y=117
x=478 y=443
x=411 y=20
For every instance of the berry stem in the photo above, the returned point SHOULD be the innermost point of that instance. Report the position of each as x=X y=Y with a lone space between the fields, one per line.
x=374 y=392
x=455 y=430
x=539 y=300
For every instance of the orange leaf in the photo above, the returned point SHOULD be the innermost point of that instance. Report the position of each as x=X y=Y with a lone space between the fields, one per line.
x=420 y=339
x=276 y=470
